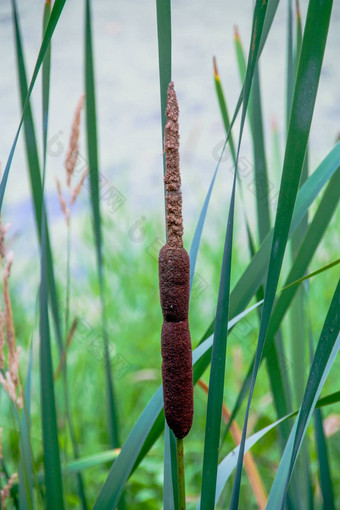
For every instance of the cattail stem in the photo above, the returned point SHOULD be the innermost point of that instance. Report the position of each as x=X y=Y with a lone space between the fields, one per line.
x=180 y=475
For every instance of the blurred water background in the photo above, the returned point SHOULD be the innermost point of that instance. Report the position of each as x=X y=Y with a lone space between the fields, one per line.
x=128 y=105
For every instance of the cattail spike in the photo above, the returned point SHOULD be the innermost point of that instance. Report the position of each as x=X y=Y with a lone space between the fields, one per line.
x=172 y=178
x=174 y=286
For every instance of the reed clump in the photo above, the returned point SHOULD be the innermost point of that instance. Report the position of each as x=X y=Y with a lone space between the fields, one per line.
x=174 y=285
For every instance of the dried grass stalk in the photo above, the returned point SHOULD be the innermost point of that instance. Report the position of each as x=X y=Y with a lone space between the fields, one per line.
x=73 y=149
x=10 y=380
x=78 y=187
x=5 y=492
x=63 y=204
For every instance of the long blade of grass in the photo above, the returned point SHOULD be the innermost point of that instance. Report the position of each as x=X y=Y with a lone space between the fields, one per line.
x=242 y=68
x=324 y=466
x=55 y=15
x=327 y=349
x=298 y=335
x=301 y=489
x=170 y=485
x=46 y=70
x=320 y=439
x=261 y=173
x=310 y=63
x=225 y=117
x=26 y=459
x=35 y=174
x=217 y=373
x=46 y=74
x=308 y=276
x=164 y=55
x=54 y=488
x=256 y=127
x=270 y=15
x=290 y=63
x=33 y=159
x=53 y=480
x=92 y=151
x=223 y=109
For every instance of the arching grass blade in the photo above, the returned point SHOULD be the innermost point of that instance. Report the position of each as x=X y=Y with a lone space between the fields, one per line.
x=55 y=15
x=92 y=152
x=300 y=121
x=327 y=349
x=217 y=374
x=35 y=174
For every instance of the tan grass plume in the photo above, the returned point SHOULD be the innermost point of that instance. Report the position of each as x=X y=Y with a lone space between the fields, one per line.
x=70 y=165
x=73 y=149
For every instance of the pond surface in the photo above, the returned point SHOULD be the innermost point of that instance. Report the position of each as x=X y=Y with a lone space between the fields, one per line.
x=126 y=65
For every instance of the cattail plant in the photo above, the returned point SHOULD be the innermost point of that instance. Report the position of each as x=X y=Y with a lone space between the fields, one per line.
x=174 y=286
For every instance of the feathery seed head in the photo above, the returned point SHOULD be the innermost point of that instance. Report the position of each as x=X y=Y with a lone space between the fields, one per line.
x=78 y=187
x=73 y=149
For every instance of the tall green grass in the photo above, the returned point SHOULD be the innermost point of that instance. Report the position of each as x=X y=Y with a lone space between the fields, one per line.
x=108 y=472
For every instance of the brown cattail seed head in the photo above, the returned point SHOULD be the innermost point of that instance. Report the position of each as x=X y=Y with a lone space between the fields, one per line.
x=177 y=377
x=174 y=286
x=174 y=278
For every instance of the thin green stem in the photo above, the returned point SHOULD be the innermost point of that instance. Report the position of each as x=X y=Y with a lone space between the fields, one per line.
x=180 y=474
x=68 y=278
